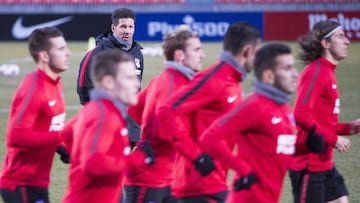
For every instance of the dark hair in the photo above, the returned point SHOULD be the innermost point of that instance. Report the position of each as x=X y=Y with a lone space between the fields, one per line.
x=266 y=57
x=106 y=63
x=122 y=13
x=238 y=35
x=39 y=40
x=176 y=40
x=310 y=44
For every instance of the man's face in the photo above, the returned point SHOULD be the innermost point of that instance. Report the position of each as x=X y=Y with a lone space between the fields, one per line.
x=126 y=83
x=249 y=63
x=193 y=54
x=285 y=74
x=339 y=45
x=125 y=29
x=58 y=55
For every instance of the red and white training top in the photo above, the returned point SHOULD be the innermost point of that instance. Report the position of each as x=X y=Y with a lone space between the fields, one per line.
x=37 y=114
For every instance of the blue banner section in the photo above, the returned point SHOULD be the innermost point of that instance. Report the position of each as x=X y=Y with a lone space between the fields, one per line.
x=210 y=26
x=149 y=26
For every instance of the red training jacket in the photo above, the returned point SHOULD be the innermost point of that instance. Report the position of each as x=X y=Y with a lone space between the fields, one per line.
x=155 y=94
x=318 y=103
x=37 y=114
x=209 y=95
x=265 y=143
x=99 y=154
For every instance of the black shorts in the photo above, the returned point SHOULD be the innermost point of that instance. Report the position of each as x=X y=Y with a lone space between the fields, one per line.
x=25 y=195
x=209 y=198
x=317 y=187
x=135 y=194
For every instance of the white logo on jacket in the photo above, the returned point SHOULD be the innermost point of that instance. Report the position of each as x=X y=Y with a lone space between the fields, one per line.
x=286 y=144
x=276 y=120
x=52 y=103
x=231 y=99
x=337 y=106
x=57 y=122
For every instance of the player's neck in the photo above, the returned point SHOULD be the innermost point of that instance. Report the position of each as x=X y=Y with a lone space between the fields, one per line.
x=330 y=57
x=49 y=71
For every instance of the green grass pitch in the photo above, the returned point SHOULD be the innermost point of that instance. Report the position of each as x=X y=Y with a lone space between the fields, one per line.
x=348 y=75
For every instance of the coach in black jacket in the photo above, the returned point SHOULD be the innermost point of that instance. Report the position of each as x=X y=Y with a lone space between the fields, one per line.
x=120 y=37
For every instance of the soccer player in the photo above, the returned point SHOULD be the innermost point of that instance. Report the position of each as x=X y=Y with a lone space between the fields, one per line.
x=184 y=57
x=263 y=128
x=191 y=109
x=120 y=37
x=314 y=176
x=37 y=114
x=100 y=152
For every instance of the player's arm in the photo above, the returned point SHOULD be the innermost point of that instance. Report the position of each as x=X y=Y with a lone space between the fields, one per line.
x=214 y=139
x=84 y=83
x=136 y=111
x=173 y=117
x=66 y=136
x=99 y=138
x=67 y=133
x=344 y=129
x=309 y=92
x=25 y=109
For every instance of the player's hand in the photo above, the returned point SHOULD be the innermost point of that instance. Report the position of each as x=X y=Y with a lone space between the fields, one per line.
x=342 y=144
x=64 y=155
x=315 y=142
x=245 y=182
x=204 y=164
x=148 y=150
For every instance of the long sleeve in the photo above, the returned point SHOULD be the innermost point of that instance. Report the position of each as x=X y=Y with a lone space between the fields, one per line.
x=214 y=139
x=97 y=157
x=84 y=83
x=136 y=111
x=175 y=117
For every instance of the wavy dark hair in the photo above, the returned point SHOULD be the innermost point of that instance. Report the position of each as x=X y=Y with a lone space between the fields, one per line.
x=310 y=44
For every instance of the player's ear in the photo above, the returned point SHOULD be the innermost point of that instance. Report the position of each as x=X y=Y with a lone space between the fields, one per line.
x=108 y=82
x=268 y=76
x=43 y=56
x=246 y=50
x=113 y=27
x=325 y=43
x=179 y=55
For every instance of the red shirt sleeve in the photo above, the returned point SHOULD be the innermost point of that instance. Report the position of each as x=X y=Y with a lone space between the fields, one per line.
x=67 y=133
x=214 y=139
x=343 y=129
x=136 y=111
x=104 y=142
x=175 y=116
